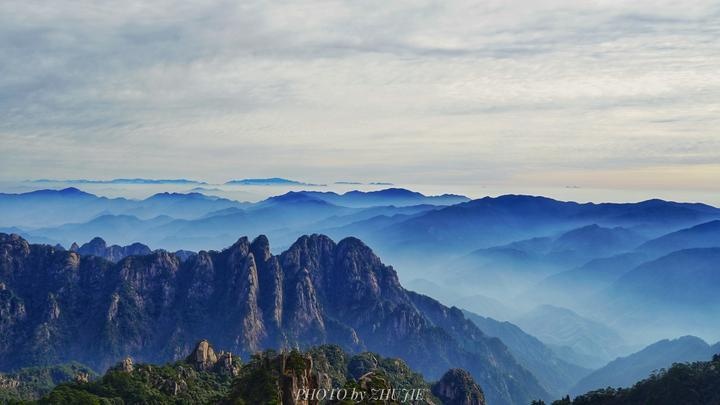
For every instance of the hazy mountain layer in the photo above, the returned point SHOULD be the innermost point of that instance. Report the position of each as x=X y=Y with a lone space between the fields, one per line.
x=698 y=236
x=555 y=374
x=562 y=328
x=490 y=221
x=49 y=208
x=626 y=371
x=677 y=291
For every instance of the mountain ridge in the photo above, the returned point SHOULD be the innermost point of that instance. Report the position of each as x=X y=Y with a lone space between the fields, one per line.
x=245 y=299
x=626 y=371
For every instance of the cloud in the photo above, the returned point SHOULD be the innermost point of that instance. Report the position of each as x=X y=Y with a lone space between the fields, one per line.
x=427 y=91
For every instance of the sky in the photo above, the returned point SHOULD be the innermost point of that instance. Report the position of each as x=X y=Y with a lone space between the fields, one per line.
x=510 y=93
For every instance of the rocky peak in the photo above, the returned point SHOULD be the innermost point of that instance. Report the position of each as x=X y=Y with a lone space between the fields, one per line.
x=260 y=248
x=13 y=244
x=313 y=253
x=127 y=365
x=96 y=243
x=137 y=248
x=203 y=357
x=82 y=377
x=240 y=248
x=74 y=247
x=457 y=387
x=225 y=364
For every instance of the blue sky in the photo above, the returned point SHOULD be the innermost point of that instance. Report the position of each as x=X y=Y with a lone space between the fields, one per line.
x=606 y=94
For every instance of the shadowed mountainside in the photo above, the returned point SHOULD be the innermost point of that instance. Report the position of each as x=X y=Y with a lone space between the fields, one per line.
x=555 y=374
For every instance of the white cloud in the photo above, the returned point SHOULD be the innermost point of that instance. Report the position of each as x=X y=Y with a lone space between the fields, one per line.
x=425 y=91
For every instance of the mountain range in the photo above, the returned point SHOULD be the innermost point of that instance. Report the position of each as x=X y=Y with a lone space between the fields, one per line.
x=272 y=181
x=488 y=221
x=60 y=306
x=198 y=221
x=576 y=286
x=47 y=208
x=391 y=196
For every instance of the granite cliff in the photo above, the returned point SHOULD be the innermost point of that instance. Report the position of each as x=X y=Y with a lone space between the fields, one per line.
x=59 y=306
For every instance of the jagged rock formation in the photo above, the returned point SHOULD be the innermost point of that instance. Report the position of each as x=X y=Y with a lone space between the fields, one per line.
x=290 y=377
x=65 y=306
x=127 y=365
x=457 y=387
x=98 y=247
x=203 y=358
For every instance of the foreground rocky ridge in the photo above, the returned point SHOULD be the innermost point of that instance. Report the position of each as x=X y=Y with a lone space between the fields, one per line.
x=59 y=306
x=324 y=374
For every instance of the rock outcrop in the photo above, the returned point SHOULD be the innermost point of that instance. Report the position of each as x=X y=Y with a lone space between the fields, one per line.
x=203 y=358
x=297 y=375
x=457 y=387
x=127 y=365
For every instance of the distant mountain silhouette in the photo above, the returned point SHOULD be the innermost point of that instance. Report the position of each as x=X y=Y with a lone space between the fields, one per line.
x=284 y=217
x=561 y=328
x=673 y=293
x=586 y=280
x=699 y=236
x=390 y=196
x=488 y=222
x=523 y=263
x=626 y=371
x=272 y=181
x=40 y=209
x=122 y=229
x=114 y=253
x=594 y=240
